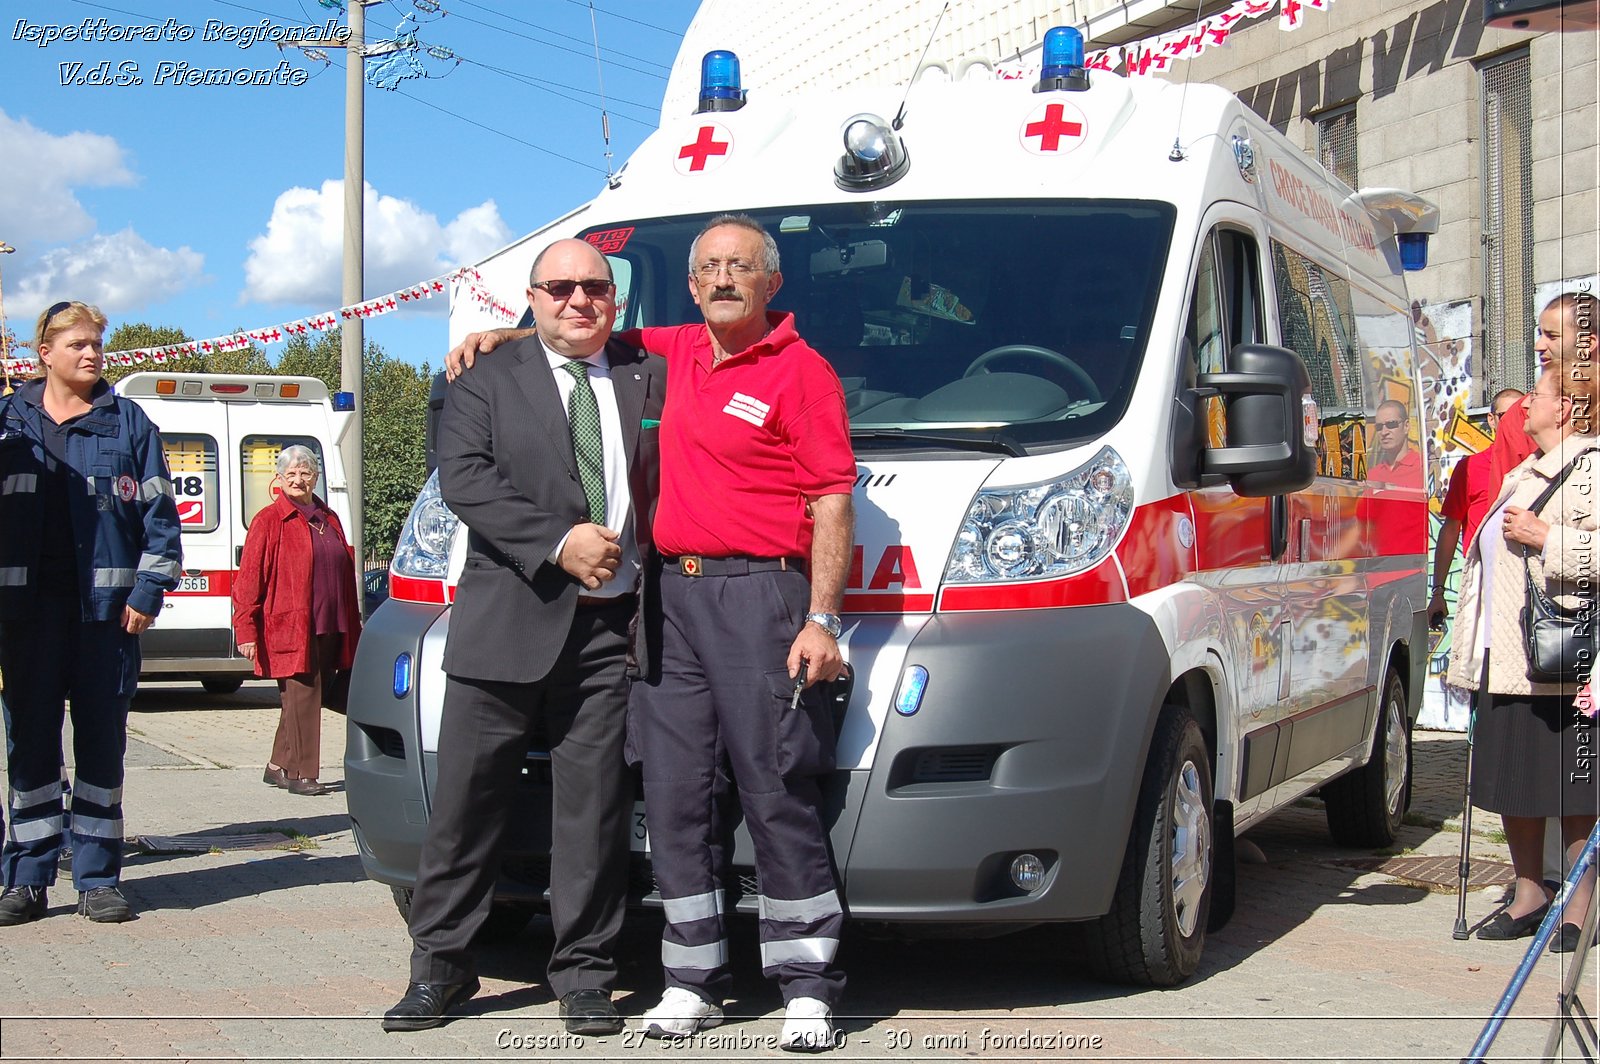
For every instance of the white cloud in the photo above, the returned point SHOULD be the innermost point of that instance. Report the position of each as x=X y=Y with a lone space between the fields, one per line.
x=119 y=272
x=40 y=172
x=298 y=258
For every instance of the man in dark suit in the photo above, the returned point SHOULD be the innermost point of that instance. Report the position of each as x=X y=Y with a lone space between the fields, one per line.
x=541 y=456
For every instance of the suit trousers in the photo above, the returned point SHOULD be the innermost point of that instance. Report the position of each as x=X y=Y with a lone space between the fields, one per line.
x=578 y=712
x=297 y=747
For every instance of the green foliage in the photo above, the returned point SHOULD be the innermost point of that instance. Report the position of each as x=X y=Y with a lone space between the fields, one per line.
x=394 y=461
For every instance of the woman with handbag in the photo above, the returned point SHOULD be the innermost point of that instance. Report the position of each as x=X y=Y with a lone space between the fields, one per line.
x=296 y=615
x=1535 y=557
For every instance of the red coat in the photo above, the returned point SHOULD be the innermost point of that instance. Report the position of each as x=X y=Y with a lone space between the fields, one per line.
x=272 y=593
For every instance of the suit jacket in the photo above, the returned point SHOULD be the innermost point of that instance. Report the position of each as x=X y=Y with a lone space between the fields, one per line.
x=507 y=469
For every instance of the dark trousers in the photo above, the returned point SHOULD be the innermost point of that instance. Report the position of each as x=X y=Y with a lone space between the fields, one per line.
x=46 y=661
x=724 y=691
x=297 y=747
x=484 y=737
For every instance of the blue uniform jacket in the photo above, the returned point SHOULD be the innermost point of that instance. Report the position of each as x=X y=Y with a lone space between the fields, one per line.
x=124 y=518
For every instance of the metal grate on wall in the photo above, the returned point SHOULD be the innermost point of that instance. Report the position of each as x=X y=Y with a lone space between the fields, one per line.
x=1508 y=313
x=1336 y=144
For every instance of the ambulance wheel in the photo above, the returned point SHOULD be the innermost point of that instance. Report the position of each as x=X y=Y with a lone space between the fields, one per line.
x=1365 y=807
x=221 y=685
x=1091 y=391
x=1156 y=929
x=506 y=919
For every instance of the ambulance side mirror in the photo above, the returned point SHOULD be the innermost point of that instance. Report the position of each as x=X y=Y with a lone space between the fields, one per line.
x=1272 y=423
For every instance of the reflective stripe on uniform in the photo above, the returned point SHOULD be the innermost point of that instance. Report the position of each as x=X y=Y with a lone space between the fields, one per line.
x=154 y=488
x=113 y=577
x=37 y=796
x=13 y=576
x=159 y=564
x=794 y=950
x=700 y=958
x=799 y=910
x=98 y=795
x=33 y=830
x=20 y=482
x=98 y=827
x=695 y=907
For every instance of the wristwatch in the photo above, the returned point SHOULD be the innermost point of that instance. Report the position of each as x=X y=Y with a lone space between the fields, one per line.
x=828 y=622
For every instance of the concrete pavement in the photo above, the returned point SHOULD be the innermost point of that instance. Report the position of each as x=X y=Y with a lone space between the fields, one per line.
x=292 y=954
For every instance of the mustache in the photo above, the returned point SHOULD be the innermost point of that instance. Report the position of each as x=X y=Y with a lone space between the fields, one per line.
x=725 y=292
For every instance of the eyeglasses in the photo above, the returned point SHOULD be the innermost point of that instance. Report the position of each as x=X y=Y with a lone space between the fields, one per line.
x=594 y=288
x=57 y=309
x=1536 y=394
x=737 y=269
x=1390 y=424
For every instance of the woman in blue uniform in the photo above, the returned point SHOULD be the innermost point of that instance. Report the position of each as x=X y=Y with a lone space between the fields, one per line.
x=88 y=547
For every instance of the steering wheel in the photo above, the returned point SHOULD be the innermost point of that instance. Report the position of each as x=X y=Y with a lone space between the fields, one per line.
x=1044 y=354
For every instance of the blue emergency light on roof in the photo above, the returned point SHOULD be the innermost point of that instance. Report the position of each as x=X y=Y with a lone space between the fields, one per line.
x=344 y=402
x=1062 y=61
x=719 y=82
x=1413 y=251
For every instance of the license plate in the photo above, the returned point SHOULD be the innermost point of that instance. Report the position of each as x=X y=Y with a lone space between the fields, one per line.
x=639 y=838
x=194 y=583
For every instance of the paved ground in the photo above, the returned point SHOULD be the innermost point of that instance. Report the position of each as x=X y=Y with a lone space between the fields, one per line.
x=292 y=954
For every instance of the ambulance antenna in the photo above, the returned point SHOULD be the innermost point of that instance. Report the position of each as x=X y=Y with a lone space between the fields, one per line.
x=605 y=119
x=900 y=115
x=1176 y=154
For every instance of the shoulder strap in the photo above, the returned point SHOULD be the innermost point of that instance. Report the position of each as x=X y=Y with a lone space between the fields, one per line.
x=1555 y=485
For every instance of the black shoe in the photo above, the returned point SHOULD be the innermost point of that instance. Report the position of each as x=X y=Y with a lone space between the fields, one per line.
x=425 y=1004
x=104 y=905
x=1505 y=926
x=1565 y=940
x=19 y=905
x=590 y=1012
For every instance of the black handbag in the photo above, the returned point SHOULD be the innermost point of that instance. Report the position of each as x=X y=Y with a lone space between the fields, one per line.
x=1560 y=643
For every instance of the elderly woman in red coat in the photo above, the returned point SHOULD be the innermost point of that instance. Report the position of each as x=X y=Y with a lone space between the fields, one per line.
x=296 y=614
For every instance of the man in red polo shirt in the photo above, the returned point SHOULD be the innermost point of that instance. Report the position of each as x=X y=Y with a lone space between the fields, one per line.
x=756 y=475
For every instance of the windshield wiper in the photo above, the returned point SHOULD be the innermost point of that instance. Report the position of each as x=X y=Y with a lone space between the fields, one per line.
x=995 y=442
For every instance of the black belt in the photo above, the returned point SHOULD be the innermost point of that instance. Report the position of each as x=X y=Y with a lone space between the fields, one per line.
x=595 y=601
x=695 y=565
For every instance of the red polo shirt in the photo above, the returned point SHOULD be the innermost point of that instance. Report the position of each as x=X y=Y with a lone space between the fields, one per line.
x=745 y=443
x=1468 y=497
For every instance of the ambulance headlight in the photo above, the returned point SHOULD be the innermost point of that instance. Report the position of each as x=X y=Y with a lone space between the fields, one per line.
x=424 y=547
x=1044 y=530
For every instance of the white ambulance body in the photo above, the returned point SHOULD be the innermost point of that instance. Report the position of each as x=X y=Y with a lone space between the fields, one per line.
x=222 y=433
x=1126 y=577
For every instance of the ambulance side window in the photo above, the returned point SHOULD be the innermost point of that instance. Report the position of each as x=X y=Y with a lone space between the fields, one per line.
x=1224 y=311
x=258 y=471
x=192 y=461
x=1318 y=324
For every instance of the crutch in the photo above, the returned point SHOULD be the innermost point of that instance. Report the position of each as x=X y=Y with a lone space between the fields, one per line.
x=1464 y=866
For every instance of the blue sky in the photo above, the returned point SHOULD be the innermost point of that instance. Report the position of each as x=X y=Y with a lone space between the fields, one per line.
x=216 y=207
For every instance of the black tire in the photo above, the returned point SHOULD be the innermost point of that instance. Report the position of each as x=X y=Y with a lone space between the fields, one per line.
x=1366 y=807
x=1156 y=929
x=221 y=685
x=506 y=919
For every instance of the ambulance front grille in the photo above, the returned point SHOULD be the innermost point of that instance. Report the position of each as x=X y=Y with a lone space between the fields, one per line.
x=953 y=764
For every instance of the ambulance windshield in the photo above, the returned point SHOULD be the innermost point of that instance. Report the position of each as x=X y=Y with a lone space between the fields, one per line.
x=959 y=320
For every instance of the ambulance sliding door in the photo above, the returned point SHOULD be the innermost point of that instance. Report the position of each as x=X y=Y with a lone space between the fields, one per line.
x=195 y=621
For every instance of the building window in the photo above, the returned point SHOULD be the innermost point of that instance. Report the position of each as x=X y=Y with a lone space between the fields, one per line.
x=1508 y=313
x=1336 y=144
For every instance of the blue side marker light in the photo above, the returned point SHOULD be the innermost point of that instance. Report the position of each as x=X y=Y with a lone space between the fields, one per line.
x=402 y=675
x=913 y=682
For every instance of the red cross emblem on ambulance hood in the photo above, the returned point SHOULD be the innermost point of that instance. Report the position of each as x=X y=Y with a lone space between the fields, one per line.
x=708 y=150
x=1054 y=128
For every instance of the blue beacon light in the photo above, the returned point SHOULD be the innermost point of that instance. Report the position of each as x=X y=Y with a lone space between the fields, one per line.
x=1413 y=251
x=1062 y=66
x=719 y=82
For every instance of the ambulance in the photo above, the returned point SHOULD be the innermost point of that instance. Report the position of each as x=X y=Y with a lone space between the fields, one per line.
x=222 y=433
x=1130 y=572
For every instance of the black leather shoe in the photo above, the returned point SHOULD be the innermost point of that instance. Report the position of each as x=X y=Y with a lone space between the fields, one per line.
x=590 y=1012
x=1505 y=926
x=425 y=1004
x=1565 y=940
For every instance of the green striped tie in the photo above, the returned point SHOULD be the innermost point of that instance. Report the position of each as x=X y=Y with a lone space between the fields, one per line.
x=584 y=414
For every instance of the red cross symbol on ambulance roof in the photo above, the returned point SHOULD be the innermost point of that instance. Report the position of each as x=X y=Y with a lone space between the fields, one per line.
x=707 y=152
x=1059 y=129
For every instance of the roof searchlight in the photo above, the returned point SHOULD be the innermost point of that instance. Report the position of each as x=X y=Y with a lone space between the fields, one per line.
x=874 y=155
x=1062 y=67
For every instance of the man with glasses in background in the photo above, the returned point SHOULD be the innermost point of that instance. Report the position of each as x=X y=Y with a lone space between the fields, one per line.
x=544 y=458
x=1395 y=460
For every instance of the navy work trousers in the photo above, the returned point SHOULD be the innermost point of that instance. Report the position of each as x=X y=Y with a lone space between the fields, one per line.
x=724 y=689
x=48 y=661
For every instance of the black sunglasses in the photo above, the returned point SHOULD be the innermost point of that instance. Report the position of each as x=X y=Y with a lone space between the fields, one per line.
x=57 y=309
x=1390 y=424
x=594 y=288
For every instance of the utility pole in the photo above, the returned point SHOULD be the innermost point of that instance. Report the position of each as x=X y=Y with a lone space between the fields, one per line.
x=5 y=336
x=351 y=332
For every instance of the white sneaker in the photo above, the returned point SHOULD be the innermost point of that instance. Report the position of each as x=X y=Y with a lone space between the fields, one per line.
x=807 y=1026
x=680 y=1014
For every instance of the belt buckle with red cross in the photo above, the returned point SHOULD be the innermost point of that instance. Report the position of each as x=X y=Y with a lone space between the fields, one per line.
x=689 y=565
